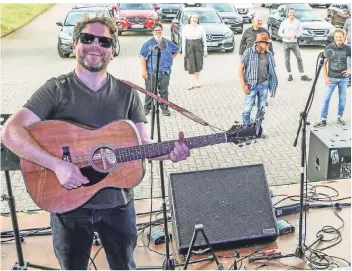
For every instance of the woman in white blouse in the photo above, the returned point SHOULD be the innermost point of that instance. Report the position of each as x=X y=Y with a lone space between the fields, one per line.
x=194 y=47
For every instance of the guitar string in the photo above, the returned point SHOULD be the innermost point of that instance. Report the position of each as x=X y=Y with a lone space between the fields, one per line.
x=152 y=148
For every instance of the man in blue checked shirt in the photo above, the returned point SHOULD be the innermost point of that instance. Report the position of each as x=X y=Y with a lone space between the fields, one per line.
x=257 y=75
x=148 y=67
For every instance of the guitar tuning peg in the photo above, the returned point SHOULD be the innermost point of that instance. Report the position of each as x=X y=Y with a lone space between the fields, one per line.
x=240 y=145
x=248 y=142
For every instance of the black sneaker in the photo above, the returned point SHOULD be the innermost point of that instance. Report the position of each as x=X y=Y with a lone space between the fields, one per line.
x=166 y=112
x=322 y=123
x=341 y=121
x=147 y=111
x=290 y=78
x=305 y=78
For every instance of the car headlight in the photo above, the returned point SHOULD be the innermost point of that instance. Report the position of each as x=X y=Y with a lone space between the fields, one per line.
x=65 y=35
x=153 y=17
x=305 y=32
x=228 y=35
x=332 y=30
x=120 y=18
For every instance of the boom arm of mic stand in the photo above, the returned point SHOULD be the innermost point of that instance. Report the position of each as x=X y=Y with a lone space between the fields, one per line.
x=304 y=114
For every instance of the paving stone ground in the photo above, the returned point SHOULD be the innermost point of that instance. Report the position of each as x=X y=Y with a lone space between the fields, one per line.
x=29 y=58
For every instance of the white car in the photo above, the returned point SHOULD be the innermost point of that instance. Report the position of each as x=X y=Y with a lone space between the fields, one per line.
x=245 y=10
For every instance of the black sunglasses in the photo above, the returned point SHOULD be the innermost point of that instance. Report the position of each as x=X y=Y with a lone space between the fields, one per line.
x=105 y=42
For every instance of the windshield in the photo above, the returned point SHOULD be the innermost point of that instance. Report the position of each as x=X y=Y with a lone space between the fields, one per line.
x=208 y=17
x=170 y=6
x=308 y=16
x=222 y=7
x=74 y=17
x=136 y=6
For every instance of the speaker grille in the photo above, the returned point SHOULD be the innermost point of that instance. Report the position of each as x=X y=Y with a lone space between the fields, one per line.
x=233 y=204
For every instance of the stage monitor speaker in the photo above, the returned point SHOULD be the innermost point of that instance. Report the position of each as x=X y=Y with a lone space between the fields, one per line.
x=329 y=154
x=233 y=204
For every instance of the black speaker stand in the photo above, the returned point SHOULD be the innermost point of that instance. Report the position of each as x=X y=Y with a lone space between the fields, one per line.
x=199 y=228
x=21 y=264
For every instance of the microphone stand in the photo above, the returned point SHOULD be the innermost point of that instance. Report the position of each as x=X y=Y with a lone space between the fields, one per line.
x=299 y=253
x=169 y=265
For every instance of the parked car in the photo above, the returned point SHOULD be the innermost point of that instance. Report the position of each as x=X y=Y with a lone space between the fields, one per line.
x=263 y=5
x=316 y=31
x=135 y=17
x=230 y=16
x=168 y=11
x=245 y=10
x=219 y=35
x=337 y=14
x=76 y=14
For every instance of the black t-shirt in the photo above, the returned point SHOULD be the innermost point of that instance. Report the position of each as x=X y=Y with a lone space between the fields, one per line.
x=338 y=63
x=68 y=98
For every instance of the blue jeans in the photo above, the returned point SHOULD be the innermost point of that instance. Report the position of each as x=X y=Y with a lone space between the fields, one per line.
x=341 y=83
x=73 y=236
x=260 y=90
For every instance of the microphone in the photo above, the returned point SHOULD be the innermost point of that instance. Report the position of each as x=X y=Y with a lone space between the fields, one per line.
x=161 y=45
x=329 y=53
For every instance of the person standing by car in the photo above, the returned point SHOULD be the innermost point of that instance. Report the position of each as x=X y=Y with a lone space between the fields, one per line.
x=257 y=75
x=148 y=57
x=336 y=72
x=194 y=48
x=290 y=30
x=347 y=28
x=250 y=35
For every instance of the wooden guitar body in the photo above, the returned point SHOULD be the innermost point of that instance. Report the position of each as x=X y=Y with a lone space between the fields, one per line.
x=92 y=150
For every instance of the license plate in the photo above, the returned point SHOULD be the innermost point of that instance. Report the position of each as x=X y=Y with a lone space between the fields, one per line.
x=170 y=15
x=320 y=38
x=212 y=44
x=137 y=26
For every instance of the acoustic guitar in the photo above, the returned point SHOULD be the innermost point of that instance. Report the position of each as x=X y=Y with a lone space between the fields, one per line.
x=111 y=156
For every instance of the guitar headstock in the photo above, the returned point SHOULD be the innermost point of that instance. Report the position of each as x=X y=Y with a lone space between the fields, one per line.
x=244 y=134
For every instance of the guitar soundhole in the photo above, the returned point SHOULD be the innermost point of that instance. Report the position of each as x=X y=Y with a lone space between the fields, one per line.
x=103 y=159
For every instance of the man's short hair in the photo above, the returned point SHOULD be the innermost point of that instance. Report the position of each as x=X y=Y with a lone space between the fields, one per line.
x=339 y=30
x=157 y=24
x=291 y=9
x=109 y=23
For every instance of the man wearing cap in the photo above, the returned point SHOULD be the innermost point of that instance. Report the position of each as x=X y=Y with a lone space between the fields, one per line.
x=257 y=75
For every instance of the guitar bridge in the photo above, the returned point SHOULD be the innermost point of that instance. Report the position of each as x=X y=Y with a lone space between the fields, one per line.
x=66 y=155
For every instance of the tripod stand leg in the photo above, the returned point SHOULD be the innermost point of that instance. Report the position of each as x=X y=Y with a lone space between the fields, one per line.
x=14 y=220
x=188 y=257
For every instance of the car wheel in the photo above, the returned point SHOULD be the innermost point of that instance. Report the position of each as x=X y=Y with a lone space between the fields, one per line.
x=61 y=54
x=270 y=29
x=262 y=5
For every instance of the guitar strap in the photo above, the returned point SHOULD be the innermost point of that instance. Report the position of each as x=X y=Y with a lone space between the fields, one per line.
x=163 y=101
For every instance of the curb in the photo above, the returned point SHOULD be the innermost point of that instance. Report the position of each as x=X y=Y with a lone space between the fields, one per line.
x=15 y=29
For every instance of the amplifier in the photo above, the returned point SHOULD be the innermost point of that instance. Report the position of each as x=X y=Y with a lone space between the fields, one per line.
x=233 y=205
x=329 y=154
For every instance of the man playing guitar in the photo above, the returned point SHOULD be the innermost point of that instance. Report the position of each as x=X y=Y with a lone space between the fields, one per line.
x=92 y=97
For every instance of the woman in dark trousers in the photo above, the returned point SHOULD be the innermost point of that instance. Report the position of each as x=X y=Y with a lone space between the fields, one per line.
x=194 y=48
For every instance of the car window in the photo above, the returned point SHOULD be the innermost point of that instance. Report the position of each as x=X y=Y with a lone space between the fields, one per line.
x=74 y=17
x=135 y=6
x=308 y=16
x=222 y=7
x=204 y=17
x=170 y=5
x=344 y=7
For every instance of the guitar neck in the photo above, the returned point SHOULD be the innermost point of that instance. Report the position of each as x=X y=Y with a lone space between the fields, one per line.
x=162 y=148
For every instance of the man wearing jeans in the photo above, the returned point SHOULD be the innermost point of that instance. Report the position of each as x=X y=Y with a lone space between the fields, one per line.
x=290 y=29
x=257 y=75
x=336 y=73
x=148 y=57
x=347 y=28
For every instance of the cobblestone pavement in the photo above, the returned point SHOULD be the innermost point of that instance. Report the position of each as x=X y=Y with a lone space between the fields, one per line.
x=29 y=58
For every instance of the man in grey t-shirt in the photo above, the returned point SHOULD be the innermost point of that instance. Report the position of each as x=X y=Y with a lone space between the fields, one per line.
x=290 y=29
x=90 y=96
